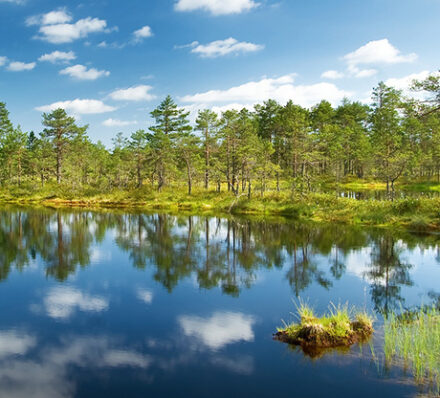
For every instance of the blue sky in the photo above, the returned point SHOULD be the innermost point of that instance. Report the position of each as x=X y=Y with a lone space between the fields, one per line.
x=110 y=63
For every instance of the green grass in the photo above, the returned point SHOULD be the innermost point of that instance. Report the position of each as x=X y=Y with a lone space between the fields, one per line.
x=412 y=340
x=416 y=214
x=340 y=327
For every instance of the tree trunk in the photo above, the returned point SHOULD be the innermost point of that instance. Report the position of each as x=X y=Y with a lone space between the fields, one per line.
x=206 y=159
x=188 y=169
x=139 y=175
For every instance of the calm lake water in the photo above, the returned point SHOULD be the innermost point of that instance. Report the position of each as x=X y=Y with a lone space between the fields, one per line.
x=110 y=304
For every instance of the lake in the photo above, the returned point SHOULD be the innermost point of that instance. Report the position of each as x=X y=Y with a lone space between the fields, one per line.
x=115 y=304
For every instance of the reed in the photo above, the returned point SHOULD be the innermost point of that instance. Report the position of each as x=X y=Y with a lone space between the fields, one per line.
x=412 y=340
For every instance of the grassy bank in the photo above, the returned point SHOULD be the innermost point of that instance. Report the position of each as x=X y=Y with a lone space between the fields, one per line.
x=416 y=214
x=341 y=327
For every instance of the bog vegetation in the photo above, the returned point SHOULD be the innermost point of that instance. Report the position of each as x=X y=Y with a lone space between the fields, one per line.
x=341 y=327
x=276 y=148
x=411 y=342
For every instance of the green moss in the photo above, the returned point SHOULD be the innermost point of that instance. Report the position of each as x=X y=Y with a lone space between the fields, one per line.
x=340 y=327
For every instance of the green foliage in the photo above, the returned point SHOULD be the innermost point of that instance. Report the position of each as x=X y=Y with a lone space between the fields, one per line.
x=283 y=152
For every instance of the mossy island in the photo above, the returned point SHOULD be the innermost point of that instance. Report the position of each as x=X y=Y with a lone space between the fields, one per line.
x=340 y=327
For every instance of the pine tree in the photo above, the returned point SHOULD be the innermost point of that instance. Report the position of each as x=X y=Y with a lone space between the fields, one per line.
x=61 y=128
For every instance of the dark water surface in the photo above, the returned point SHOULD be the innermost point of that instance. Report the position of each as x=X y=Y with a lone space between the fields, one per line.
x=136 y=305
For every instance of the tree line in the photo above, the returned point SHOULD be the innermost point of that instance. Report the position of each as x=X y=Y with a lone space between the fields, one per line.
x=272 y=147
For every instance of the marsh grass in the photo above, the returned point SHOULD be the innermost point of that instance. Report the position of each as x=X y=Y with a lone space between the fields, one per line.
x=412 y=340
x=418 y=215
x=340 y=327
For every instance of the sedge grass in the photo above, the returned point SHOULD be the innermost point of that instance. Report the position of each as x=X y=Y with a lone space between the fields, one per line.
x=412 y=340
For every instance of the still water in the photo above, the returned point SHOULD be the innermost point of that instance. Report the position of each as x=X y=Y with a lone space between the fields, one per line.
x=111 y=304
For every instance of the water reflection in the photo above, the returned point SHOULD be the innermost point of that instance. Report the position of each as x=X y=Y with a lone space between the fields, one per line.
x=216 y=253
x=61 y=302
x=218 y=330
x=46 y=374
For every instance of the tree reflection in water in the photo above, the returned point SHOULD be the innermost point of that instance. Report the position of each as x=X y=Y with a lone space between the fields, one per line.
x=217 y=252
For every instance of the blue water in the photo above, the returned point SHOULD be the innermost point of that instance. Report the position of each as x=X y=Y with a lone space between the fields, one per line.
x=107 y=304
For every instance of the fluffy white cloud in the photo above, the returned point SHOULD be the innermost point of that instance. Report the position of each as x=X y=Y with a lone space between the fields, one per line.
x=142 y=33
x=55 y=27
x=219 y=330
x=145 y=295
x=378 y=52
x=3 y=60
x=82 y=73
x=21 y=66
x=332 y=74
x=220 y=48
x=66 y=33
x=281 y=89
x=61 y=302
x=51 y=18
x=135 y=93
x=118 y=123
x=216 y=7
x=79 y=107
x=57 y=56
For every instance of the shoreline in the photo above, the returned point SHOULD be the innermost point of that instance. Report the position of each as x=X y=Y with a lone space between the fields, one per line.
x=413 y=214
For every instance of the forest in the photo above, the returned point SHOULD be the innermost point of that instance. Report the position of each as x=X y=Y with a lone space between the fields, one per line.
x=273 y=148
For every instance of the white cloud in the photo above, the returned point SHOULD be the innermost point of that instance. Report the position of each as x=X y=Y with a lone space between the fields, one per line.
x=21 y=66
x=118 y=123
x=361 y=73
x=281 y=89
x=82 y=73
x=13 y=1
x=145 y=295
x=51 y=18
x=332 y=74
x=78 y=106
x=219 y=330
x=405 y=82
x=62 y=302
x=55 y=27
x=142 y=33
x=3 y=60
x=378 y=52
x=57 y=56
x=220 y=48
x=135 y=93
x=216 y=7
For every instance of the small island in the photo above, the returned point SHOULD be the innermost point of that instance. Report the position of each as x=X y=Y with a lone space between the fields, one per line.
x=341 y=327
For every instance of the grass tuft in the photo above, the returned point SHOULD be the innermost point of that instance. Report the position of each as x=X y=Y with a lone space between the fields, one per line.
x=339 y=327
